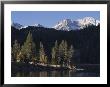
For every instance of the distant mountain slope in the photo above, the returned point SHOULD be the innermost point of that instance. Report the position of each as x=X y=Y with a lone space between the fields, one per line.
x=17 y=25
x=68 y=24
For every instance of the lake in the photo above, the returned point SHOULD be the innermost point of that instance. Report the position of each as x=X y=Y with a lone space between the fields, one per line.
x=83 y=71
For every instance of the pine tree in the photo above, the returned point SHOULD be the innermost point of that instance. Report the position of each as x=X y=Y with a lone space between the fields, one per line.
x=53 y=61
x=15 y=50
x=70 y=55
x=54 y=54
x=42 y=55
x=28 y=50
x=65 y=53
x=61 y=53
x=45 y=59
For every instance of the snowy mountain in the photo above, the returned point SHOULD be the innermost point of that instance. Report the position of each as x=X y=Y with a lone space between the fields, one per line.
x=87 y=21
x=68 y=24
x=17 y=25
x=37 y=25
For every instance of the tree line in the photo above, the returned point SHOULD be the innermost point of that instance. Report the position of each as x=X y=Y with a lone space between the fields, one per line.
x=86 y=41
x=61 y=53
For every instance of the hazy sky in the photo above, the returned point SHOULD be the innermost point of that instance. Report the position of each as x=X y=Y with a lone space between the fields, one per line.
x=49 y=18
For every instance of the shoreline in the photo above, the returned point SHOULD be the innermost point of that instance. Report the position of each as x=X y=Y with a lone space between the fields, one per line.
x=17 y=66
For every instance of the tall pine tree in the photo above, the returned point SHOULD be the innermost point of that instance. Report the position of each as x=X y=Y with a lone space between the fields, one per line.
x=28 y=50
x=65 y=53
x=61 y=53
x=70 y=55
x=54 y=54
x=42 y=56
x=15 y=51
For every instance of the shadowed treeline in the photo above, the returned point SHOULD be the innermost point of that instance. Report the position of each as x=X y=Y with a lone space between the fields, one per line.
x=86 y=42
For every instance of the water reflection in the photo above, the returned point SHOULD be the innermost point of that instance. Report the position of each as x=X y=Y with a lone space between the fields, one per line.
x=65 y=73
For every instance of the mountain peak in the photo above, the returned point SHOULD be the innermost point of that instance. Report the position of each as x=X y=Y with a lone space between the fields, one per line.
x=68 y=24
x=37 y=25
x=17 y=25
x=65 y=24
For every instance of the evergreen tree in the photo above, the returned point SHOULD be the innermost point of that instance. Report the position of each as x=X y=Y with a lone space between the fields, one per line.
x=42 y=55
x=53 y=61
x=65 y=53
x=61 y=53
x=15 y=50
x=70 y=55
x=45 y=59
x=54 y=54
x=28 y=50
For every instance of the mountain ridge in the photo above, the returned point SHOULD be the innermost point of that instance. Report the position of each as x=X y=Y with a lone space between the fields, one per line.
x=66 y=24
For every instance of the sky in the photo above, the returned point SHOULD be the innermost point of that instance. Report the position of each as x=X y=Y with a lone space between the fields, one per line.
x=49 y=18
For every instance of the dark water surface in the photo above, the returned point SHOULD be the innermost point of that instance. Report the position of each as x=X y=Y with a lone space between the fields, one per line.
x=69 y=73
x=89 y=71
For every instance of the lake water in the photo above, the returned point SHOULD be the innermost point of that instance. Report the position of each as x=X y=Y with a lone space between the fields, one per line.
x=64 y=73
x=57 y=74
